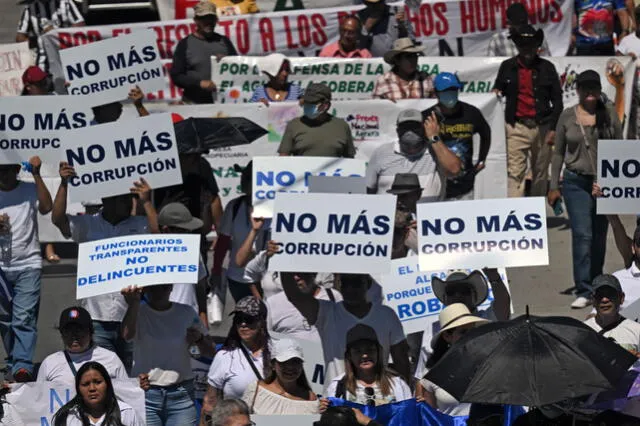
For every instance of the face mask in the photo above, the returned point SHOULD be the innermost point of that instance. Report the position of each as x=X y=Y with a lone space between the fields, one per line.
x=311 y=111
x=448 y=99
x=411 y=139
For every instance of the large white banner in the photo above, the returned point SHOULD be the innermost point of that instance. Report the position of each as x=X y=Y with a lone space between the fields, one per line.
x=276 y=175
x=108 y=266
x=618 y=171
x=15 y=58
x=483 y=233
x=342 y=233
x=110 y=68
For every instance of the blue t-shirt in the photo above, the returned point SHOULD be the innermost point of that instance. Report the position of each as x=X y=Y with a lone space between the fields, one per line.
x=596 y=20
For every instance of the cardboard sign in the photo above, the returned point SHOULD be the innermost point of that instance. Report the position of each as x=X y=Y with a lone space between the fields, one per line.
x=483 y=233
x=343 y=233
x=618 y=171
x=108 y=266
x=337 y=185
x=15 y=58
x=313 y=361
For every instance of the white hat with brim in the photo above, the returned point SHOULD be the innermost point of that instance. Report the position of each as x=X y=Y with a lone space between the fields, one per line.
x=401 y=45
x=282 y=350
x=453 y=316
x=475 y=279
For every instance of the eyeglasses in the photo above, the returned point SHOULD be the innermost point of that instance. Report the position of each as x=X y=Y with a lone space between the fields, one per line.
x=370 y=394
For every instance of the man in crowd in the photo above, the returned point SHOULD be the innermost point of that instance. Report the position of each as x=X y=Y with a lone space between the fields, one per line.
x=531 y=87
x=231 y=412
x=20 y=203
x=317 y=133
x=419 y=150
x=404 y=80
x=36 y=82
x=406 y=187
x=593 y=34
x=501 y=43
x=629 y=249
x=191 y=69
x=459 y=121
x=382 y=27
x=347 y=45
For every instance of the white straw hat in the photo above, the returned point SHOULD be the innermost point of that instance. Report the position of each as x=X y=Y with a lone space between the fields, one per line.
x=453 y=316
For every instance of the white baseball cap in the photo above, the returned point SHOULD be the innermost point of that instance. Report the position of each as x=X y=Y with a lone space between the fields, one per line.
x=283 y=350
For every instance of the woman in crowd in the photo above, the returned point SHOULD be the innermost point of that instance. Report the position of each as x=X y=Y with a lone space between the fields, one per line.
x=277 y=68
x=366 y=380
x=286 y=390
x=456 y=320
x=95 y=402
x=576 y=146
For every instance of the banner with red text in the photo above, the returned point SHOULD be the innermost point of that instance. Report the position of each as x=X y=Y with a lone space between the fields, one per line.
x=15 y=58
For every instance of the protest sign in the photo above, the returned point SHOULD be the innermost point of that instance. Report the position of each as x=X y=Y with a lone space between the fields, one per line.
x=337 y=185
x=618 y=171
x=36 y=403
x=342 y=233
x=483 y=233
x=15 y=58
x=110 y=68
x=108 y=158
x=313 y=361
x=107 y=266
x=276 y=175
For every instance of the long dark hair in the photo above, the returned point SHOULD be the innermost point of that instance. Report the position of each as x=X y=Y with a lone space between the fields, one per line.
x=603 y=120
x=112 y=409
x=301 y=382
x=383 y=375
x=233 y=342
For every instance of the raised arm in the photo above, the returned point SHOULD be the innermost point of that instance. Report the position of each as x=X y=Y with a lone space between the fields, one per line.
x=132 y=296
x=142 y=189
x=501 y=297
x=59 y=211
x=245 y=252
x=307 y=304
x=447 y=160
x=44 y=197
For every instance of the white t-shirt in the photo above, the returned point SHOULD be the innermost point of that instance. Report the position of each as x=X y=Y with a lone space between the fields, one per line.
x=268 y=403
x=21 y=248
x=161 y=340
x=446 y=403
x=284 y=318
x=333 y=323
x=112 y=306
x=630 y=44
x=399 y=392
x=127 y=417
x=231 y=372
x=186 y=293
x=626 y=334
x=55 y=367
x=630 y=282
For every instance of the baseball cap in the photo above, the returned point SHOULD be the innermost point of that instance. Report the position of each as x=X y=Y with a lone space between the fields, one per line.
x=361 y=332
x=283 y=350
x=33 y=74
x=606 y=280
x=75 y=315
x=204 y=8
x=251 y=306
x=445 y=81
x=588 y=78
x=316 y=92
x=177 y=215
x=409 y=115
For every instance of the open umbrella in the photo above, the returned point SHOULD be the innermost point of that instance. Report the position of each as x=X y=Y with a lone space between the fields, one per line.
x=195 y=135
x=531 y=361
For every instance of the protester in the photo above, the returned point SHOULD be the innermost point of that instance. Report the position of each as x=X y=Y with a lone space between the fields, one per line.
x=162 y=332
x=76 y=331
x=95 y=402
x=593 y=35
x=347 y=45
x=459 y=121
x=286 y=390
x=404 y=80
x=231 y=412
x=20 y=203
x=191 y=68
x=534 y=102
x=629 y=249
x=317 y=133
x=630 y=45
x=456 y=320
x=36 y=82
x=111 y=112
x=344 y=416
x=382 y=26
x=406 y=188
x=277 y=69
x=577 y=134
x=501 y=43
x=235 y=7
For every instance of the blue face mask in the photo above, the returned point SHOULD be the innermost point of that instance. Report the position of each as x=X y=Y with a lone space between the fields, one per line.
x=449 y=99
x=310 y=111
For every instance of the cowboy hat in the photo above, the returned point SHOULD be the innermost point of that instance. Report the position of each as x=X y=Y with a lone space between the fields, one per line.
x=453 y=316
x=527 y=36
x=401 y=45
x=475 y=279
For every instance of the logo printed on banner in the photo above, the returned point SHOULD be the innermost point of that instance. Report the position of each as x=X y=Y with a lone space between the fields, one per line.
x=364 y=126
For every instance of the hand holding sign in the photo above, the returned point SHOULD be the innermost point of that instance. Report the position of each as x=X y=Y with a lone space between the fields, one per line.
x=35 y=164
x=66 y=172
x=142 y=189
x=132 y=295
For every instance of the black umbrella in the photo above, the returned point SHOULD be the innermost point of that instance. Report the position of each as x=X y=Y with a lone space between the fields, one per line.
x=531 y=361
x=201 y=134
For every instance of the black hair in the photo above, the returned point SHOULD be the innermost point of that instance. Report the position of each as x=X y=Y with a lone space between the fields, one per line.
x=439 y=350
x=337 y=416
x=233 y=342
x=77 y=404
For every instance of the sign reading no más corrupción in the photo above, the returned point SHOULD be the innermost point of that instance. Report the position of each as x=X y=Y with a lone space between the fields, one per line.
x=618 y=176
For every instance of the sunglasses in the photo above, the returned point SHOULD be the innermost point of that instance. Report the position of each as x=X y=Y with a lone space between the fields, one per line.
x=458 y=290
x=370 y=394
x=245 y=319
x=610 y=294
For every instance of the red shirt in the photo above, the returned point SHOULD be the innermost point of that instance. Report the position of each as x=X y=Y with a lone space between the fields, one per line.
x=526 y=107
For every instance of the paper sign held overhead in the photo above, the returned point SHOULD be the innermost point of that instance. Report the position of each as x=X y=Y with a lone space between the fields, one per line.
x=618 y=176
x=337 y=185
x=15 y=58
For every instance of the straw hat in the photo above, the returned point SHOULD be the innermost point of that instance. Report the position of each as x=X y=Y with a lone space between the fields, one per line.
x=475 y=279
x=453 y=316
x=401 y=45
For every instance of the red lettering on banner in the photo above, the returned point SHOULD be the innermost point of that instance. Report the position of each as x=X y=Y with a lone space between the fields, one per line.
x=10 y=61
x=500 y=7
x=556 y=12
x=482 y=15
x=442 y=23
x=319 y=24
x=181 y=7
x=466 y=18
x=78 y=38
x=266 y=31
x=287 y=30
x=117 y=31
x=242 y=36
x=226 y=25
x=169 y=40
x=430 y=19
x=543 y=11
x=10 y=87
x=304 y=31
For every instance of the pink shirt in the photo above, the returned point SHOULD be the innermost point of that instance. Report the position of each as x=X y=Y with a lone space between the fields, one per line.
x=333 y=50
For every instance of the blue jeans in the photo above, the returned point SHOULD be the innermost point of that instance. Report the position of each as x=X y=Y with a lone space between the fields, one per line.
x=171 y=405
x=19 y=328
x=108 y=335
x=588 y=231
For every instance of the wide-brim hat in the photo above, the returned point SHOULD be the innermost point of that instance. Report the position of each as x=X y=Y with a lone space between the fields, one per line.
x=401 y=45
x=404 y=183
x=475 y=279
x=272 y=64
x=455 y=315
x=527 y=36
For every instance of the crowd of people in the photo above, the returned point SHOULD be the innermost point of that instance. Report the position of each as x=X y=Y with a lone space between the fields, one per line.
x=153 y=333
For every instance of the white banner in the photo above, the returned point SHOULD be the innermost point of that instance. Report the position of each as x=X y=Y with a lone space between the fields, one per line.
x=110 y=68
x=483 y=233
x=618 y=171
x=337 y=185
x=36 y=403
x=108 y=158
x=313 y=361
x=342 y=233
x=285 y=420
x=15 y=58
x=107 y=266
x=275 y=175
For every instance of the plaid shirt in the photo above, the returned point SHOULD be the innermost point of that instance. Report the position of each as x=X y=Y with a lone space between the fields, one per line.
x=390 y=86
x=501 y=45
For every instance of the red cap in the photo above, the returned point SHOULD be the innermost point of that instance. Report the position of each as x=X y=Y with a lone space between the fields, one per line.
x=176 y=118
x=33 y=74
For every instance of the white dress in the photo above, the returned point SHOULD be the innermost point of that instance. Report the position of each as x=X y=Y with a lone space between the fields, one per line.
x=266 y=402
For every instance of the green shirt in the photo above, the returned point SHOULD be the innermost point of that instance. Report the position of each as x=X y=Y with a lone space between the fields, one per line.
x=328 y=138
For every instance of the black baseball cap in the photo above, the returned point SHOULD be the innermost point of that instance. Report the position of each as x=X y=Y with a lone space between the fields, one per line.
x=75 y=315
x=588 y=78
x=606 y=280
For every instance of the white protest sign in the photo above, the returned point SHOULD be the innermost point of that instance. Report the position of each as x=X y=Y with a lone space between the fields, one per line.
x=618 y=171
x=110 y=68
x=275 y=175
x=408 y=292
x=285 y=420
x=483 y=233
x=337 y=185
x=343 y=233
x=15 y=58
x=313 y=361
x=108 y=158
x=108 y=266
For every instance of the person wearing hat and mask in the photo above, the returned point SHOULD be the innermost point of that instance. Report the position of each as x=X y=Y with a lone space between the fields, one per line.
x=317 y=133
x=594 y=26
x=418 y=150
x=382 y=26
x=531 y=87
x=76 y=330
x=36 y=82
x=578 y=131
x=501 y=43
x=277 y=69
x=459 y=121
x=191 y=68
x=347 y=46
x=404 y=80
x=406 y=188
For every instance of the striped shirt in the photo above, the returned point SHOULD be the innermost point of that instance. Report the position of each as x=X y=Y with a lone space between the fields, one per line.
x=40 y=14
x=390 y=86
x=294 y=92
x=501 y=45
